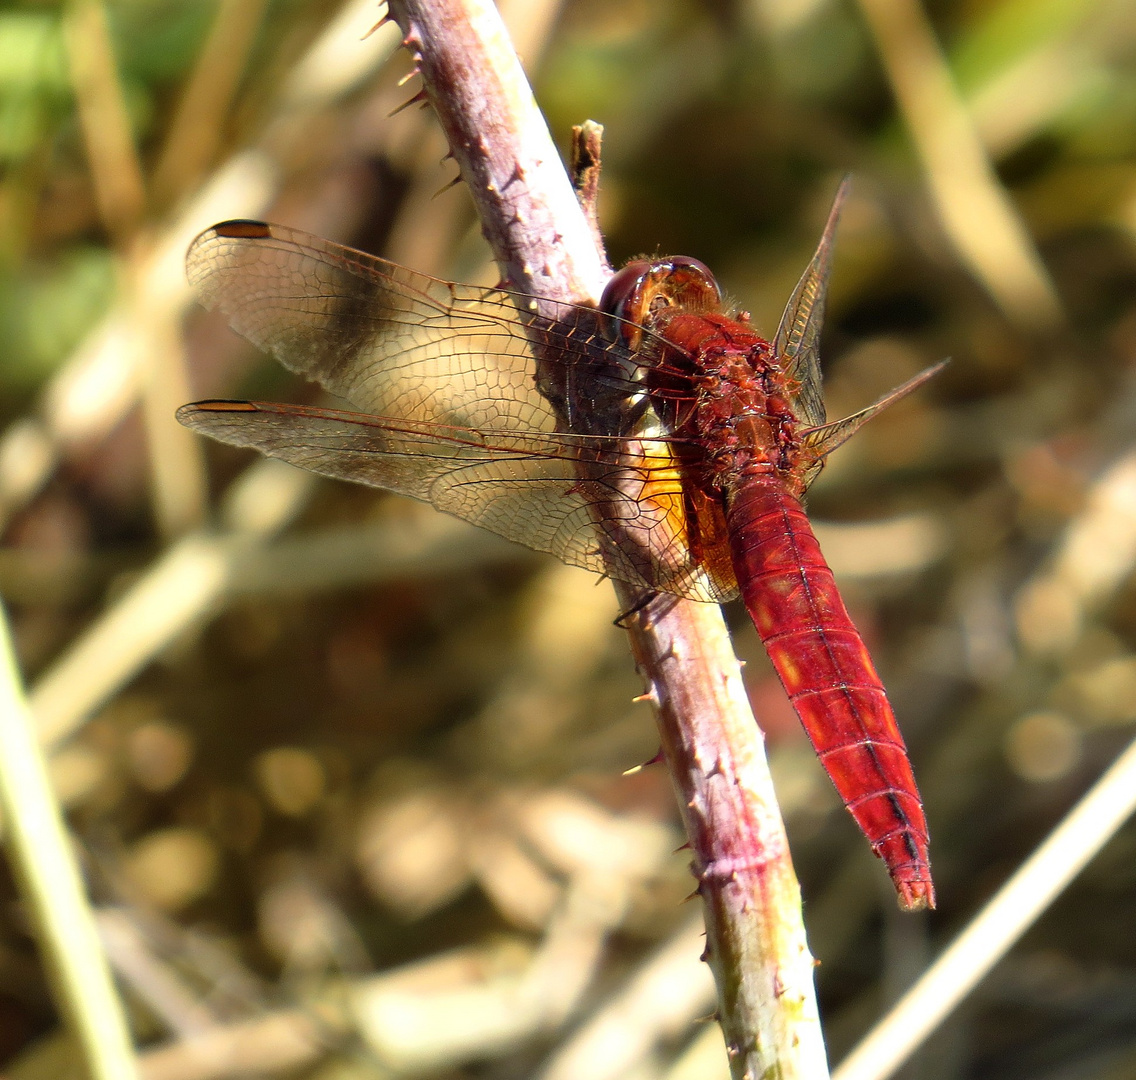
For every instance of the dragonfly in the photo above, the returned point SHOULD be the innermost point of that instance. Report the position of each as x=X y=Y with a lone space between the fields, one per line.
x=656 y=438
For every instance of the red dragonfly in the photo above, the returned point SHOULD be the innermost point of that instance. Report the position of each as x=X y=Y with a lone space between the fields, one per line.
x=656 y=439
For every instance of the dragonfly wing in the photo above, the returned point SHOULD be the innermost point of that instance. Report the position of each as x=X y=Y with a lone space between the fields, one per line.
x=391 y=341
x=551 y=492
x=822 y=440
x=797 y=341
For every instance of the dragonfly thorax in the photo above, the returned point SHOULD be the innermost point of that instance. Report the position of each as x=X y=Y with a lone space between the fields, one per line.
x=742 y=416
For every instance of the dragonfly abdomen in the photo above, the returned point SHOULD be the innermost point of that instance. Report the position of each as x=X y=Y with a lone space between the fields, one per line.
x=822 y=662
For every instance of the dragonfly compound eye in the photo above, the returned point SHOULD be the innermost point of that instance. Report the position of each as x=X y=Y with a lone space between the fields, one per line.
x=640 y=294
x=691 y=284
x=622 y=301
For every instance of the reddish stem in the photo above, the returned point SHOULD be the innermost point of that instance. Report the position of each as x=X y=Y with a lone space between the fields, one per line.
x=755 y=935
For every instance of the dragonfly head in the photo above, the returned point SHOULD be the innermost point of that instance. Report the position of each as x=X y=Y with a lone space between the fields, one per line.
x=643 y=291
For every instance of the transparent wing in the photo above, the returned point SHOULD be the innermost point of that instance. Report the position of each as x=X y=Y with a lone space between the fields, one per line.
x=553 y=492
x=821 y=441
x=797 y=341
x=401 y=344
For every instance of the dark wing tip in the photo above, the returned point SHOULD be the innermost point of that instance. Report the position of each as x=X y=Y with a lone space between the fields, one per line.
x=242 y=229
x=188 y=413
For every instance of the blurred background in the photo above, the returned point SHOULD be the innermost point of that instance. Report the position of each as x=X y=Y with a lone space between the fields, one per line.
x=347 y=776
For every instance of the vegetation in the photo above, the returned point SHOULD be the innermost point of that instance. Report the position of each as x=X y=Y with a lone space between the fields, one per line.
x=347 y=776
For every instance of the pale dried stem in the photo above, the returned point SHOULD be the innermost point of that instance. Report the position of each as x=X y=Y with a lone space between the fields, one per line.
x=194 y=576
x=42 y=857
x=1093 y=560
x=178 y=591
x=199 y=123
x=116 y=174
x=283 y=1041
x=438 y=1013
x=111 y=154
x=103 y=379
x=152 y=980
x=543 y=243
x=991 y=934
x=655 y=1006
x=978 y=216
x=178 y=485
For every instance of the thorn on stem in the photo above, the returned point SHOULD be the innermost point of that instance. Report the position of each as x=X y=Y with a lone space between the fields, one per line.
x=650 y=761
x=417 y=98
x=446 y=187
x=383 y=20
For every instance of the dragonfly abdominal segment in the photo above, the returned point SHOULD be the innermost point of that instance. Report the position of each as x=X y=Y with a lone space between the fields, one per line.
x=830 y=679
x=656 y=439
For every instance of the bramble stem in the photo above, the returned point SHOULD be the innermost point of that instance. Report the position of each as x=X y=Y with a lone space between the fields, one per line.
x=543 y=243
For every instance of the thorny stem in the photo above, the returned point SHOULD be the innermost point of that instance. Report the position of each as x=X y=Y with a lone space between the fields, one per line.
x=544 y=245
